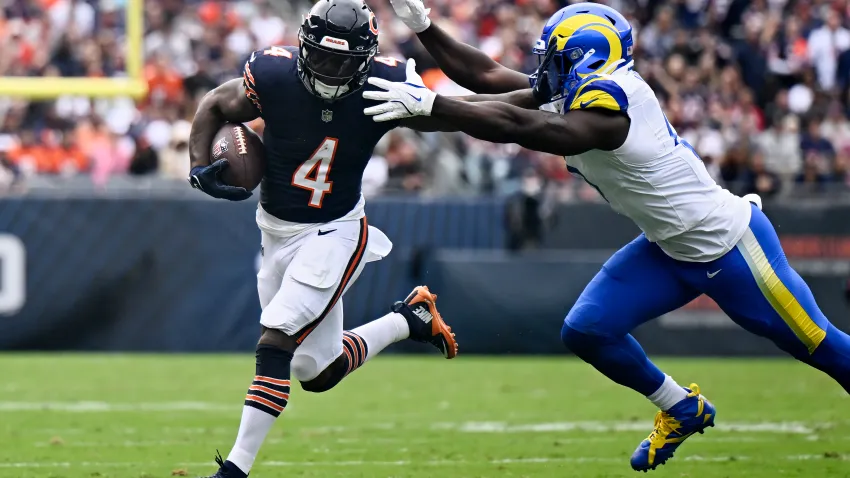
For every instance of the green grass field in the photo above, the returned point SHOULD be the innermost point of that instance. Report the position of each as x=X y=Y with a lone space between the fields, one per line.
x=75 y=416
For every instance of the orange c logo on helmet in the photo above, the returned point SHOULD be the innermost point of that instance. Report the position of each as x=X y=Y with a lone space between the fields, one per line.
x=373 y=23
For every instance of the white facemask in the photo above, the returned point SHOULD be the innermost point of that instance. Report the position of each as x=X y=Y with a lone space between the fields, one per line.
x=329 y=92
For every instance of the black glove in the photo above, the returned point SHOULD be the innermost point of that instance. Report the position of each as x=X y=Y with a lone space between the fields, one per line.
x=547 y=78
x=208 y=180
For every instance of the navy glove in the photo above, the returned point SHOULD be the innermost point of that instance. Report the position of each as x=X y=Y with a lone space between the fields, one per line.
x=546 y=81
x=208 y=180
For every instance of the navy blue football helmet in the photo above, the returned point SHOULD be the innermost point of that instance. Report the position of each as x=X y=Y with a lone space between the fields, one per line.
x=338 y=40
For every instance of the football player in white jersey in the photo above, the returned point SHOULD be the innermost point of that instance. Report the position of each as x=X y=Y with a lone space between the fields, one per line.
x=698 y=238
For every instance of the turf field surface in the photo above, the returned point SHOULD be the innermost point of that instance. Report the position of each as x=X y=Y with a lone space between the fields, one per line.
x=134 y=416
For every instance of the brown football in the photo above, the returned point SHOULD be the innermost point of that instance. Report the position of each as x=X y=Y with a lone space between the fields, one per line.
x=243 y=149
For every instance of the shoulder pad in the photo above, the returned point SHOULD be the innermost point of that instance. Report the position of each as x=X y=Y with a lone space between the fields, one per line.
x=262 y=70
x=598 y=92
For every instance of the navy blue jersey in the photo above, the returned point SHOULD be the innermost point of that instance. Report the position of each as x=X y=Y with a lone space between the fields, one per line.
x=316 y=150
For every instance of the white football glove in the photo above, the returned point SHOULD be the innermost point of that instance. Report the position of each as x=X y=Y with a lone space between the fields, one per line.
x=413 y=13
x=402 y=100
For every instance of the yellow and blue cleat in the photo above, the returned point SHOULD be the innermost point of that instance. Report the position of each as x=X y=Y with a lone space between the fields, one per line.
x=692 y=415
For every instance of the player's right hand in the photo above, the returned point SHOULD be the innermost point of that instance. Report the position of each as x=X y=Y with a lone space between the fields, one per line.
x=413 y=14
x=208 y=180
x=401 y=99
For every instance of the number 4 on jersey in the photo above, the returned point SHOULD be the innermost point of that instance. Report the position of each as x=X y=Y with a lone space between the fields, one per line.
x=312 y=175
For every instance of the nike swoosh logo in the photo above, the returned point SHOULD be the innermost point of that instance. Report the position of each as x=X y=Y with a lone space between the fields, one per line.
x=585 y=103
x=253 y=56
x=711 y=275
x=322 y=233
x=415 y=97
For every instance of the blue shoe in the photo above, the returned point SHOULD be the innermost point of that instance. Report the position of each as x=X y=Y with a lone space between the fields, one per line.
x=692 y=415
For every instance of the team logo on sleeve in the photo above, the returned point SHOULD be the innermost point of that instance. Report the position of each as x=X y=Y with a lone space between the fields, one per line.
x=327 y=116
x=220 y=148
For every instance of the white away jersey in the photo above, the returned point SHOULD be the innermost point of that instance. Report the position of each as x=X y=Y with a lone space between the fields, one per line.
x=656 y=178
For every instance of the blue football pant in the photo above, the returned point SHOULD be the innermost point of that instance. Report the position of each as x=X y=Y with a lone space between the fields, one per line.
x=753 y=284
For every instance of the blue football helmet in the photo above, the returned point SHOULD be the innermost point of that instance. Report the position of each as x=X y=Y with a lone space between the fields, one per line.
x=590 y=39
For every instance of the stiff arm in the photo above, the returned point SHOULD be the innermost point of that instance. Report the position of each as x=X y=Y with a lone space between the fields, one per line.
x=567 y=134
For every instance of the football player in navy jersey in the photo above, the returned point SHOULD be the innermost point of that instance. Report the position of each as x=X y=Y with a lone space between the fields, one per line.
x=315 y=239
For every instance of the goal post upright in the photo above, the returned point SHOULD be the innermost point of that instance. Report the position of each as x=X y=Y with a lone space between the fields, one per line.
x=133 y=85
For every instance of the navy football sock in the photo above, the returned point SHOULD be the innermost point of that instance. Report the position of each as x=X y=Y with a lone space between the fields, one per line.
x=833 y=356
x=267 y=397
x=620 y=358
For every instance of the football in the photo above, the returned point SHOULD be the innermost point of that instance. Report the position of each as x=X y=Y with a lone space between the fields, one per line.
x=243 y=149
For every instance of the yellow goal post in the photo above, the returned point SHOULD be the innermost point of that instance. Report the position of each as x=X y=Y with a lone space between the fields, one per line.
x=133 y=85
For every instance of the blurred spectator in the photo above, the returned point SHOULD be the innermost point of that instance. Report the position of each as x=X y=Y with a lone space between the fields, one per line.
x=70 y=159
x=763 y=182
x=812 y=178
x=523 y=214
x=174 y=158
x=404 y=168
x=145 y=160
x=736 y=78
x=815 y=147
x=9 y=173
x=735 y=170
x=781 y=147
x=825 y=44
x=835 y=127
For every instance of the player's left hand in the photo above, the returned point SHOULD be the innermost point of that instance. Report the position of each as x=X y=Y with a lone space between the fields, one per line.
x=402 y=100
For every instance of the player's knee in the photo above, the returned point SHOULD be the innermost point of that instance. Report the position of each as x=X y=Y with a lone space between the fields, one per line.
x=277 y=339
x=574 y=339
x=582 y=321
x=305 y=367
x=327 y=378
x=579 y=333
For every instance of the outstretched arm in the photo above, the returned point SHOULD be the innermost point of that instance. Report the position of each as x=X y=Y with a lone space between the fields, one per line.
x=567 y=134
x=467 y=66
x=226 y=103
x=521 y=98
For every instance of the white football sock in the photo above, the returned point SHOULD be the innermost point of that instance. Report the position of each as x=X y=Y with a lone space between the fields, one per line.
x=253 y=429
x=668 y=394
x=380 y=333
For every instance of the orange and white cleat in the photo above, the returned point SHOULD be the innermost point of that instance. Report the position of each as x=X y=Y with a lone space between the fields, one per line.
x=424 y=321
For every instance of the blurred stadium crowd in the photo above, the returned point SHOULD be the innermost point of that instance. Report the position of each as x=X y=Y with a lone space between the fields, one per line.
x=761 y=88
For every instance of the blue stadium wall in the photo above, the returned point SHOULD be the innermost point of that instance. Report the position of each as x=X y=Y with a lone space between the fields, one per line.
x=153 y=274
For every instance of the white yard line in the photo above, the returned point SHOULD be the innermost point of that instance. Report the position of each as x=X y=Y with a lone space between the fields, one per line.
x=609 y=427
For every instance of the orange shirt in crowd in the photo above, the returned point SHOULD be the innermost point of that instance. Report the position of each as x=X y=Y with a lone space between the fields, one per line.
x=49 y=160
x=163 y=83
x=70 y=159
x=35 y=158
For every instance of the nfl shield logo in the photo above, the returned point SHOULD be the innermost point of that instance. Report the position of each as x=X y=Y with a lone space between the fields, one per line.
x=220 y=148
x=327 y=116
